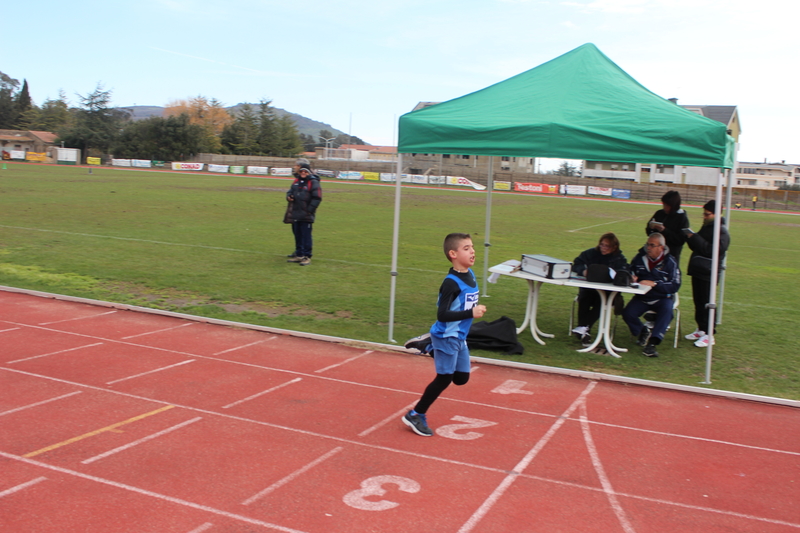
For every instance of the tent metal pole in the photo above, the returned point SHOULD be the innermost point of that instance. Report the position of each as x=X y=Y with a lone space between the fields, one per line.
x=728 y=212
x=486 y=243
x=712 y=300
x=398 y=178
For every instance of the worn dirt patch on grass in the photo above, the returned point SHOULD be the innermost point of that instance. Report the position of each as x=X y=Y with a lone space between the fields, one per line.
x=180 y=301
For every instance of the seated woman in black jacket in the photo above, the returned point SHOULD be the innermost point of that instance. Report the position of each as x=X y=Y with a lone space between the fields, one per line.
x=606 y=253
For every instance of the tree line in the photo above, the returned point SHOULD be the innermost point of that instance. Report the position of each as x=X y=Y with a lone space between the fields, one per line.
x=188 y=127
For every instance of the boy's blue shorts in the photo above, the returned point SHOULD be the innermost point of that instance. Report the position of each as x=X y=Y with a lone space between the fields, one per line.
x=451 y=355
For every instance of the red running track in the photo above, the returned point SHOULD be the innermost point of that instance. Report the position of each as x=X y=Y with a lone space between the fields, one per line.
x=114 y=420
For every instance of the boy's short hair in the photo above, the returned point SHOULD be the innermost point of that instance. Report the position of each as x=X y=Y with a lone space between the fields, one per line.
x=452 y=241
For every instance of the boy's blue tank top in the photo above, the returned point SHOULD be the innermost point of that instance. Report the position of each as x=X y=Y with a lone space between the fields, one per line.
x=467 y=299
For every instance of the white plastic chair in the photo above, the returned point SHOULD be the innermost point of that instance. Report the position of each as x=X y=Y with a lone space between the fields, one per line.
x=676 y=316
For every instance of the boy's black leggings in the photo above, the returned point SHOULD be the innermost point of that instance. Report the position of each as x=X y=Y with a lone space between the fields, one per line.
x=437 y=386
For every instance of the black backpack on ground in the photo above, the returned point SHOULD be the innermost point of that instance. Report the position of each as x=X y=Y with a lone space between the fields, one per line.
x=499 y=335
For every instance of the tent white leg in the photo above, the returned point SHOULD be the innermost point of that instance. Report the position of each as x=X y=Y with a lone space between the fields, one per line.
x=728 y=212
x=712 y=303
x=395 y=239
x=488 y=226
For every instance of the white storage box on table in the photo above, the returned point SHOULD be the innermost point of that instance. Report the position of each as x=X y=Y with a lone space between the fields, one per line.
x=546 y=266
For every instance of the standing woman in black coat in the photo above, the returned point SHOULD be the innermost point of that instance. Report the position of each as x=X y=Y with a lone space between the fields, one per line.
x=702 y=244
x=304 y=197
x=670 y=222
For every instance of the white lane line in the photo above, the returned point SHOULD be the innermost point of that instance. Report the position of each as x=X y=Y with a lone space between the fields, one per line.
x=414 y=455
x=298 y=431
x=692 y=437
x=358 y=384
x=9 y=329
x=150 y=371
x=601 y=473
x=376 y=387
x=258 y=366
x=343 y=362
x=211 y=248
x=129 y=239
x=22 y=486
x=55 y=353
x=664 y=502
x=523 y=464
x=243 y=346
x=292 y=476
x=156 y=495
x=295 y=380
x=140 y=441
x=420 y=455
x=603 y=224
x=393 y=416
x=79 y=318
x=159 y=330
x=202 y=527
x=39 y=403
x=712 y=510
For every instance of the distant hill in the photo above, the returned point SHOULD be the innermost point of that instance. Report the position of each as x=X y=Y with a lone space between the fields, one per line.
x=305 y=125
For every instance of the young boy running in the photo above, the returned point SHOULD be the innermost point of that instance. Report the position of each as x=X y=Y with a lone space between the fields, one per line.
x=457 y=306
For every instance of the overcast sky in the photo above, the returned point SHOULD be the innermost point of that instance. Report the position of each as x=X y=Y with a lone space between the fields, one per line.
x=358 y=65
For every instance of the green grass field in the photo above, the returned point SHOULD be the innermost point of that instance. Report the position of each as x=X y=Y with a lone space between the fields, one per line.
x=215 y=245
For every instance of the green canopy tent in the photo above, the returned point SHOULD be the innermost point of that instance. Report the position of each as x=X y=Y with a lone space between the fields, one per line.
x=580 y=105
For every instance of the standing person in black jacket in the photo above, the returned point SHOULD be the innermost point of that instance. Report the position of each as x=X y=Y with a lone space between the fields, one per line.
x=606 y=253
x=670 y=222
x=701 y=244
x=305 y=195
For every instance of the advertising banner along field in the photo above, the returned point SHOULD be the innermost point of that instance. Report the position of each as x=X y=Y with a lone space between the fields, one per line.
x=187 y=166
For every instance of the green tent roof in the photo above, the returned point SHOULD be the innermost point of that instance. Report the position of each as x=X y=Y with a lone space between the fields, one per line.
x=580 y=105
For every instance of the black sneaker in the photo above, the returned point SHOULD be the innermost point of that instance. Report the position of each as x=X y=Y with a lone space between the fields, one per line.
x=420 y=343
x=644 y=336
x=650 y=350
x=418 y=424
x=586 y=340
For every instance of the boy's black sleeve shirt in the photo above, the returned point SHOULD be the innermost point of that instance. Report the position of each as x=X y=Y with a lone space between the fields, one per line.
x=448 y=292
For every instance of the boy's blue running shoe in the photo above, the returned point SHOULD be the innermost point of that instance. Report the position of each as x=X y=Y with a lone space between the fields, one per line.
x=418 y=423
x=421 y=344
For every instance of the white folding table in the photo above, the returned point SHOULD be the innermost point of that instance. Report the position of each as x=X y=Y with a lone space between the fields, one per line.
x=607 y=292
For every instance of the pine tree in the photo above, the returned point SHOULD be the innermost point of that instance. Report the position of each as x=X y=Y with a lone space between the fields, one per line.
x=22 y=107
x=8 y=114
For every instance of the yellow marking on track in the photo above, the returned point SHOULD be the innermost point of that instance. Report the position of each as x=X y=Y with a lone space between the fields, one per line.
x=112 y=427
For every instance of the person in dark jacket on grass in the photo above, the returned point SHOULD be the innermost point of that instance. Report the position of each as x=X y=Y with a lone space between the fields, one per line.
x=305 y=195
x=606 y=253
x=653 y=266
x=669 y=222
x=701 y=244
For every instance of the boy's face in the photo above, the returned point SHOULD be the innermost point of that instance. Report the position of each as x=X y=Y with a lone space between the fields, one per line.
x=463 y=257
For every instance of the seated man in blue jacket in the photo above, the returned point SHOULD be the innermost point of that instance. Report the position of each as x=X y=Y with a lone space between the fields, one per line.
x=653 y=266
